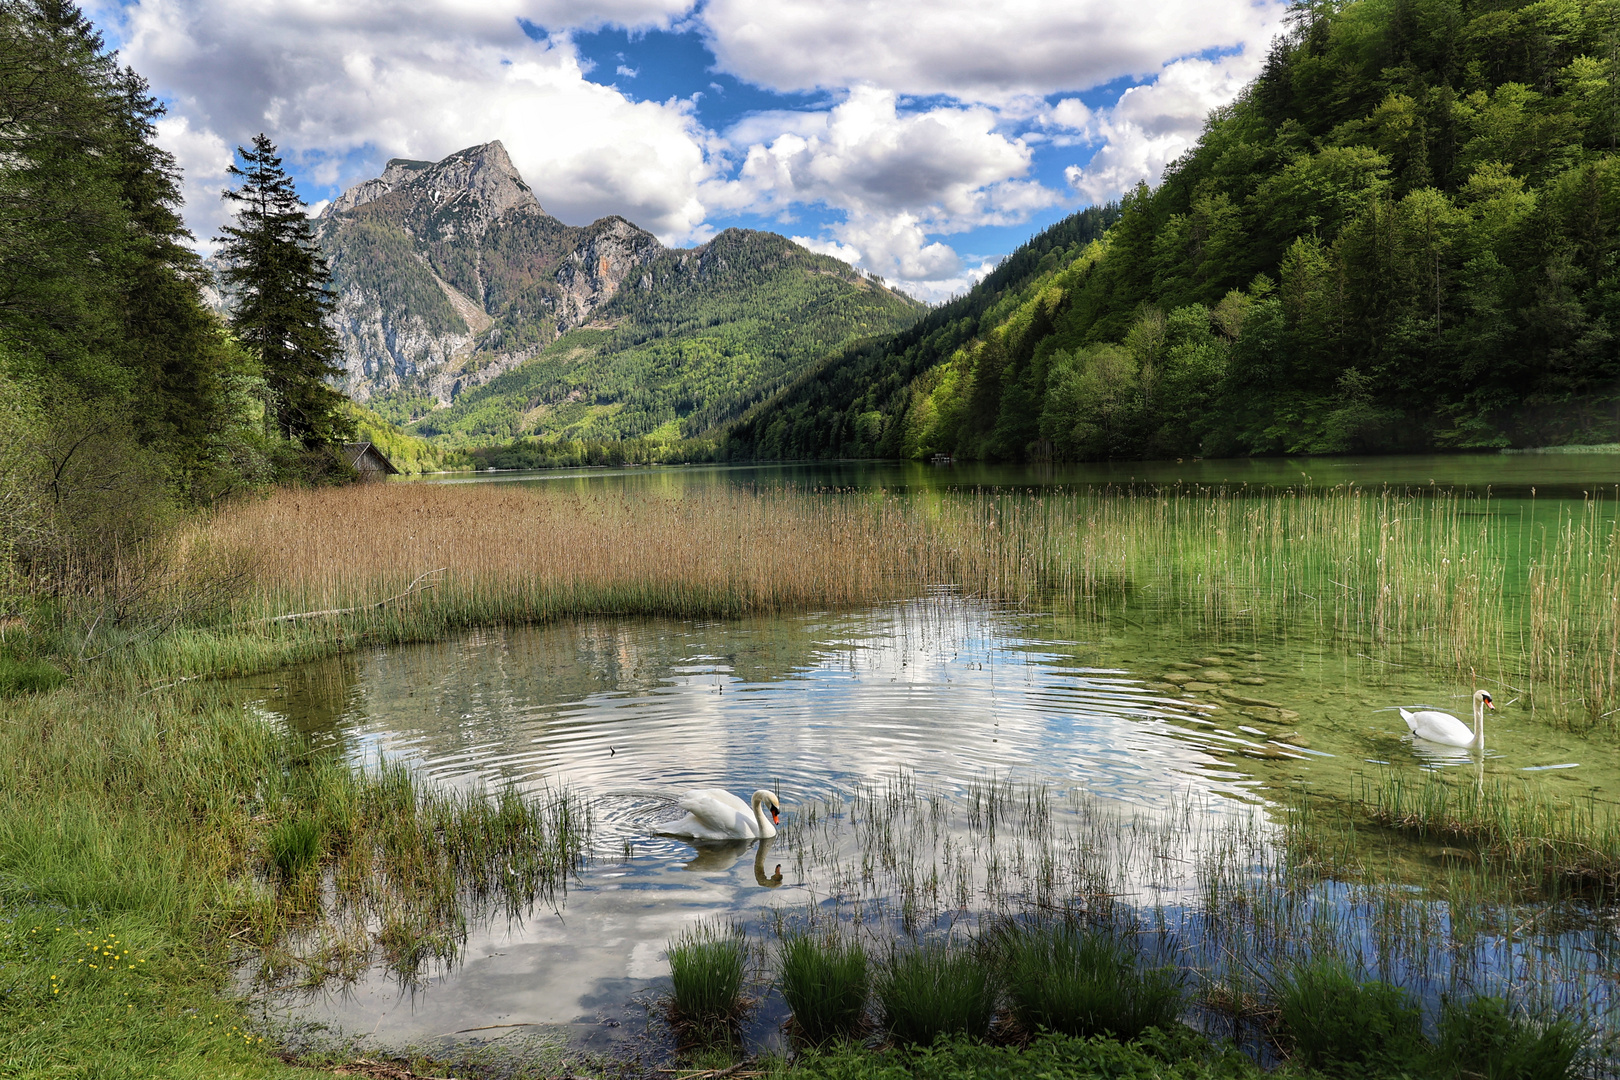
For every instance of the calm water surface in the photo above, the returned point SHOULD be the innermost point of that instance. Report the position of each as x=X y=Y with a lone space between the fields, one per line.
x=943 y=694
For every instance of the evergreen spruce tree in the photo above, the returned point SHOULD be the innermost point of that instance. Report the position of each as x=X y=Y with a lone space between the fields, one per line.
x=280 y=280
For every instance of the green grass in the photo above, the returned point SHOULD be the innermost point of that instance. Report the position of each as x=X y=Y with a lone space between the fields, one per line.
x=935 y=989
x=295 y=845
x=1483 y=1037
x=826 y=982
x=1341 y=1024
x=706 y=976
x=117 y=995
x=1064 y=978
x=1177 y=1055
x=27 y=676
x=1518 y=827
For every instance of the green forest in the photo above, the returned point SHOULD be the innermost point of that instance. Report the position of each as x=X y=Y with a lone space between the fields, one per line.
x=125 y=402
x=1402 y=236
x=728 y=326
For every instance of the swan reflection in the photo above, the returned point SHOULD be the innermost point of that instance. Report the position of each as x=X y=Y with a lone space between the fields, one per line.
x=718 y=856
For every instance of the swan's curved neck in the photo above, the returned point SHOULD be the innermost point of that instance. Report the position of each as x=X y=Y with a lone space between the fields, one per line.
x=1479 y=722
x=763 y=824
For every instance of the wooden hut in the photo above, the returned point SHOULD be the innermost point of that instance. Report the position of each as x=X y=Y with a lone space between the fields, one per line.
x=370 y=462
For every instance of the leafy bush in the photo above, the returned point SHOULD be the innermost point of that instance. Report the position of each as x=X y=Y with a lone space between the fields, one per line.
x=1484 y=1038
x=1062 y=978
x=931 y=990
x=825 y=982
x=1337 y=1020
x=295 y=844
x=706 y=968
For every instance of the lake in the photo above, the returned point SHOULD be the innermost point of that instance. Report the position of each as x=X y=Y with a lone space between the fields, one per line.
x=944 y=760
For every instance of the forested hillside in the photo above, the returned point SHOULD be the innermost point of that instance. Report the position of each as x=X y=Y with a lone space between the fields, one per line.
x=690 y=340
x=846 y=406
x=1403 y=235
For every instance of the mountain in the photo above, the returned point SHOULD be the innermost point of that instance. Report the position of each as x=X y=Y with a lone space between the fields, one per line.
x=465 y=307
x=1403 y=236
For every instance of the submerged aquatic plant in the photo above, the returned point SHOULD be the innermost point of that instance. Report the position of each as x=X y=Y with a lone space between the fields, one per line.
x=826 y=981
x=706 y=975
x=1065 y=978
x=933 y=989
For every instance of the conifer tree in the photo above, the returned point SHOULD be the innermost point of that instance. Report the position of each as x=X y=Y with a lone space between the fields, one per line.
x=280 y=280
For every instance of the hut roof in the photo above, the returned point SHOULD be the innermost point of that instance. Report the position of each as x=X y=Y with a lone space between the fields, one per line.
x=365 y=457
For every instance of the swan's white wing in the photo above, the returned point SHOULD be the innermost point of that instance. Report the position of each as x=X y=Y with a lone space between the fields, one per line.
x=720 y=811
x=1439 y=727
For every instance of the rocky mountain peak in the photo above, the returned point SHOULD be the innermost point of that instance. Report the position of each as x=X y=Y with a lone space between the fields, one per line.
x=474 y=186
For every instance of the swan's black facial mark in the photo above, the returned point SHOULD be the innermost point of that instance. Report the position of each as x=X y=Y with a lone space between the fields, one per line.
x=775 y=820
x=1490 y=703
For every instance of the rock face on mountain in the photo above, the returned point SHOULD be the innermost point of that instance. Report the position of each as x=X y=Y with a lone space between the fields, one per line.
x=449 y=273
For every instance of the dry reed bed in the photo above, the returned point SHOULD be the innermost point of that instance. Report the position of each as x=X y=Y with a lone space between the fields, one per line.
x=1437 y=572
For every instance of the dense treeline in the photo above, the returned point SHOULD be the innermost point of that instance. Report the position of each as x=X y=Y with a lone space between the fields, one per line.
x=582 y=453
x=1403 y=235
x=687 y=344
x=124 y=400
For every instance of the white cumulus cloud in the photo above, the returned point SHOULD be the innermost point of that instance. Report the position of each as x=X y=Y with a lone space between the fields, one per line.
x=969 y=49
x=357 y=83
x=898 y=177
x=1150 y=125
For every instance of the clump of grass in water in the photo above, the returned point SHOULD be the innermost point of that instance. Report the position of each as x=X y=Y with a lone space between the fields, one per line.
x=826 y=982
x=1483 y=1037
x=295 y=845
x=1064 y=978
x=1336 y=1020
x=706 y=976
x=935 y=989
x=1514 y=825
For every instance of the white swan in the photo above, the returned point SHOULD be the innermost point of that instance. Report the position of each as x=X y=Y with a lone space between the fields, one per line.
x=1440 y=727
x=717 y=814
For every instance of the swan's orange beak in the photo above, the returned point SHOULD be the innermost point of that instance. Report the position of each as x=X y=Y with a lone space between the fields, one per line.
x=775 y=820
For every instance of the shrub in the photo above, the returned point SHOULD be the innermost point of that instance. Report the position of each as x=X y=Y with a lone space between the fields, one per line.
x=1484 y=1038
x=1068 y=980
x=295 y=844
x=932 y=990
x=825 y=982
x=706 y=970
x=1337 y=1020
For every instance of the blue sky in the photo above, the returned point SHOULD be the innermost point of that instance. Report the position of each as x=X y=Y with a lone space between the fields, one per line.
x=921 y=140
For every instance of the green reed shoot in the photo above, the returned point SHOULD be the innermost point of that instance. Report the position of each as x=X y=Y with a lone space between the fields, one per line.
x=706 y=975
x=934 y=989
x=826 y=982
x=1083 y=982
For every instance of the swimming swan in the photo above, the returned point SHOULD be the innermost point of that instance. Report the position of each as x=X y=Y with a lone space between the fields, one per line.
x=717 y=814
x=1444 y=728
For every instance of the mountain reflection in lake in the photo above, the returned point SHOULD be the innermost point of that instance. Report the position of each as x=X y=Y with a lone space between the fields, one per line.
x=935 y=760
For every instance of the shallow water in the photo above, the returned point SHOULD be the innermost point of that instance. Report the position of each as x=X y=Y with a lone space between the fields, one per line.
x=899 y=715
